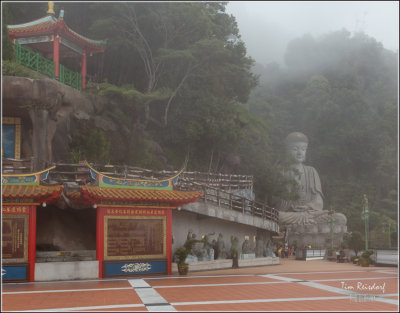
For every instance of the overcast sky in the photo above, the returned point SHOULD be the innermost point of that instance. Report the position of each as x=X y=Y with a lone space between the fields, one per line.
x=267 y=26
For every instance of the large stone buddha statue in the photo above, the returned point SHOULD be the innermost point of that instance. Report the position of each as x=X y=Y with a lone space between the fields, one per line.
x=305 y=218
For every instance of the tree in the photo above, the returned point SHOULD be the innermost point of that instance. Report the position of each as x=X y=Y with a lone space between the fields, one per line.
x=356 y=242
x=176 y=42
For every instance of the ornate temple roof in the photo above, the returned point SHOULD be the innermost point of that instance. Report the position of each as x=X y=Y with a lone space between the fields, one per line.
x=50 y=25
x=31 y=192
x=96 y=194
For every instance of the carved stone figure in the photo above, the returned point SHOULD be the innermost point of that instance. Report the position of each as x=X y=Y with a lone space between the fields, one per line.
x=221 y=247
x=269 y=252
x=214 y=245
x=246 y=247
x=306 y=214
x=190 y=235
x=260 y=248
x=208 y=248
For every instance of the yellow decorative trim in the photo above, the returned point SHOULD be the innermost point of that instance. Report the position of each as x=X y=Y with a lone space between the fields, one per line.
x=134 y=206
x=19 y=203
x=16 y=121
x=51 y=8
x=30 y=174
x=128 y=179
x=135 y=257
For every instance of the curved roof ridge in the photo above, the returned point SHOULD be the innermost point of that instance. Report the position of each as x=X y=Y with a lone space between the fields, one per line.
x=47 y=23
x=99 y=42
x=48 y=18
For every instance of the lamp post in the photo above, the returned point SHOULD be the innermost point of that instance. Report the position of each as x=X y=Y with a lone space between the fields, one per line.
x=388 y=224
x=364 y=216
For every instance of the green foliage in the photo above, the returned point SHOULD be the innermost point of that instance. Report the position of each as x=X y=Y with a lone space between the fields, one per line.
x=7 y=49
x=181 y=254
x=10 y=68
x=356 y=242
x=367 y=253
x=365 y=257
x=90 y=144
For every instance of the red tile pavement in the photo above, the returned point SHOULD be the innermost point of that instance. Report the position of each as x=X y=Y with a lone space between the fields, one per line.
x=65 y=285
x=49 y=300
x=208 y=280
x=175 y=293
x=217 y=293
x=306 y=305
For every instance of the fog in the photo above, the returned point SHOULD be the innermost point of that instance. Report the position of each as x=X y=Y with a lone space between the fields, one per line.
x=266 y=27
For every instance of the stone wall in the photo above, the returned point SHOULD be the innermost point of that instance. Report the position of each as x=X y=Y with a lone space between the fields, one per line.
x=184 y=221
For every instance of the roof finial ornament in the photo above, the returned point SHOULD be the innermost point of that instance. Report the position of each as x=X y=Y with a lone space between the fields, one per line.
x=51 y=8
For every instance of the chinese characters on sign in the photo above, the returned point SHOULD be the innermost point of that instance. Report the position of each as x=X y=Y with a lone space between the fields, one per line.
x=134 y=237
x=14 y=240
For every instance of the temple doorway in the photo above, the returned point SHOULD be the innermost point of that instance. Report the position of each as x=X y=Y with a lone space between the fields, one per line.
x=65 y=235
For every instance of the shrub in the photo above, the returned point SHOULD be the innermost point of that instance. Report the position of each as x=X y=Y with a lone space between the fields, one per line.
x=181 y=254
x=365 y=257
x=10 y=68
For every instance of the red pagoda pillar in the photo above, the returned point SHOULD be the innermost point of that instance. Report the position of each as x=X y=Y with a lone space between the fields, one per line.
x=83 y=70
x=56 y=56
x=32 y=243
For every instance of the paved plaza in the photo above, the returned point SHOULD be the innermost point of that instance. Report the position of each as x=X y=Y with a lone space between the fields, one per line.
x=293 y=285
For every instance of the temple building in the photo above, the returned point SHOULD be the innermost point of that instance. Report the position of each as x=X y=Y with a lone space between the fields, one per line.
x=133 y=226
x=50 y=42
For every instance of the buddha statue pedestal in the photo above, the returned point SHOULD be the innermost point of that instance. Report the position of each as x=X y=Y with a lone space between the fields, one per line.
x=316 y=235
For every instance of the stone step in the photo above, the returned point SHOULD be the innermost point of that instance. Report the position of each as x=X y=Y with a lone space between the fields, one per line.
x=65 y=256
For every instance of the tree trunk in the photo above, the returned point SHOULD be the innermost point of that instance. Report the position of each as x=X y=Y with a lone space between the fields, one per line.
x=40 y=120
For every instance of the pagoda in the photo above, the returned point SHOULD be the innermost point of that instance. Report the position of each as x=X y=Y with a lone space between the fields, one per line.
x=52 y=38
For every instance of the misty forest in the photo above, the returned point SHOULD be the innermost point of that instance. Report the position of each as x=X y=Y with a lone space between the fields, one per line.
x=180 y=76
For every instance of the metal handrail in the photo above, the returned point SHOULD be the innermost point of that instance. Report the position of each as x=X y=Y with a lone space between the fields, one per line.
x=70 y=78
x=40 y=64
x=229 y=200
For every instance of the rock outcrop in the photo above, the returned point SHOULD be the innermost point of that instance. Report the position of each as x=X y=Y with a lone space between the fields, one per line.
x=50 y=113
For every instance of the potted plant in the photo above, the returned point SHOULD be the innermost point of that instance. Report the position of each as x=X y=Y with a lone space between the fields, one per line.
x=181 y=254
x=365 y=259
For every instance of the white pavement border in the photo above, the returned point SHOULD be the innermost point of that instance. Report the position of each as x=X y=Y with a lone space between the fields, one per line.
x=153 y=301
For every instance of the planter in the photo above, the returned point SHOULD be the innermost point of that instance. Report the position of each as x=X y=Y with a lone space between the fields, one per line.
x=364 y=262
x=235 y=261
x=183 y=268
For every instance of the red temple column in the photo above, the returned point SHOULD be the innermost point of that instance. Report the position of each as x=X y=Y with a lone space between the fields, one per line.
x=56 y=56
x=32 y=242
x=83 y=70
x=169 y=241
x=100 y=239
